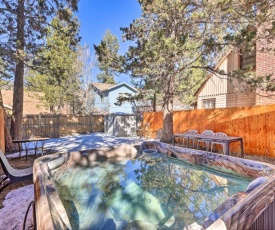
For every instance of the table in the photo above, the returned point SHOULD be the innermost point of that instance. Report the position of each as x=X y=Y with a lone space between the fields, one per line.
x=221 y=139
x=26 y=143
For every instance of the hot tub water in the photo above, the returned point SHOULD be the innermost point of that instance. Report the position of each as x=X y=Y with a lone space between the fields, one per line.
x=150 y=192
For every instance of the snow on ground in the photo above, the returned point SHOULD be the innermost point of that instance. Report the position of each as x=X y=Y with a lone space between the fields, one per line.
x=15 y=206
x=16 y=202
x=82 y=142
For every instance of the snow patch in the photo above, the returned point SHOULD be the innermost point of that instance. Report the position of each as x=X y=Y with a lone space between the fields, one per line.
x=15 y=207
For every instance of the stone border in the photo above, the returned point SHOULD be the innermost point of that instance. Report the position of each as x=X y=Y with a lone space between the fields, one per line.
x=238 y=212
x=42 y=206
x=241 y=209
x=50 y=212
x=229 y=164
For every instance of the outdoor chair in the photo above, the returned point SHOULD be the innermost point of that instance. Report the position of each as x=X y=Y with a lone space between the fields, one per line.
x=220 y=134
x=191 y=131
x=205 y=140
x=14 y=175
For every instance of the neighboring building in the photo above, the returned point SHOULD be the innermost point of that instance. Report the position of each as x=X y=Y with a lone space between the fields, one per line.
x=31 y=105
x=105 y=96
x=265 y=65
x=219 y=92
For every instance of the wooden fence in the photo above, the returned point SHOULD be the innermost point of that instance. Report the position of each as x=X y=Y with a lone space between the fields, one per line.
x=255 y=124
x=2 y=132
x=60 y=125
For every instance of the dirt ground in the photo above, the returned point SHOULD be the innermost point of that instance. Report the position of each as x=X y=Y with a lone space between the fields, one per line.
x=22 y=163
x=18 y=164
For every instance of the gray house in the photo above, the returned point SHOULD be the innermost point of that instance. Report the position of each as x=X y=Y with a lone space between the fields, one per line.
x=104 y=97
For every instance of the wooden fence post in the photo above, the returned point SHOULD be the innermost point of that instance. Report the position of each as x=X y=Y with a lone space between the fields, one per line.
x=39 y=123
x=58 y=125
x=2 y=133
x=91 y=124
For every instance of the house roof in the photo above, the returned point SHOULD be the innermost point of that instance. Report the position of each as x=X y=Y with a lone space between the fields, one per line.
x=209 y=76
x=32 y=105
x=104 y=87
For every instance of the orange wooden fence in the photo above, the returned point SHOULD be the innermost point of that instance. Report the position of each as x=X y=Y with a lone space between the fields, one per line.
x=2 y=135
x=255 y=124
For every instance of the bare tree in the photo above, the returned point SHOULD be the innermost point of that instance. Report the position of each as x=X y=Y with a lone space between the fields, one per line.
x=86 y=63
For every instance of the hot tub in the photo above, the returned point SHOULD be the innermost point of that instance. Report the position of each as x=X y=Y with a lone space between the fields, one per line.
x=121 y=188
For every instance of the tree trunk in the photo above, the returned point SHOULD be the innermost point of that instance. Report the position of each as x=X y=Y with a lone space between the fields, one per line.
x=19 y=75
x=167 y=133
x=155 y=102
x=9 y=147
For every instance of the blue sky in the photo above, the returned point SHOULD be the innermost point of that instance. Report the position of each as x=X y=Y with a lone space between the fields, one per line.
x=96 y=16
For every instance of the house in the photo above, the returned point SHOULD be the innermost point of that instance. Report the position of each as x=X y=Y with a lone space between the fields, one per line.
x=104 y=97
x=31 y=105
x=265 y=63
x=219 y=91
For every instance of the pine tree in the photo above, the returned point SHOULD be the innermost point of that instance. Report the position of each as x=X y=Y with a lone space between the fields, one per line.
x=178 y=41
x=58 y=73
x=23 y=26
x=109 y=62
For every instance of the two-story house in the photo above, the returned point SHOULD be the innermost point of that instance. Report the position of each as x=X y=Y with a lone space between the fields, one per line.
x=104 y=97
x=219 y=91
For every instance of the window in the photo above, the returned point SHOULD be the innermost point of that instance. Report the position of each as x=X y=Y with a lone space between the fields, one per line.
x=102 y=97
x=248 y=58
x=209 y=103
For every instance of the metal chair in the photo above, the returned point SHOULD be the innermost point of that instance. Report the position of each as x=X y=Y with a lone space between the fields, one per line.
x=205 y=140
x=191 y=131
x=14 y=175
x=220 y=134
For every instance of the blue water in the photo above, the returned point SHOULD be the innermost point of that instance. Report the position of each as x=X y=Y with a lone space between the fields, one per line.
x=144 y=193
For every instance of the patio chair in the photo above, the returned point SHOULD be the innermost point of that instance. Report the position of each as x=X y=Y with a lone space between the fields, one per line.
x=220 y=134
x=191 y=131
x=14 y=175
x=206 y=141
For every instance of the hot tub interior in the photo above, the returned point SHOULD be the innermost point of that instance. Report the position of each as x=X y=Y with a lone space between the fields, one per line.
x=152 y=191
x=161 y=187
